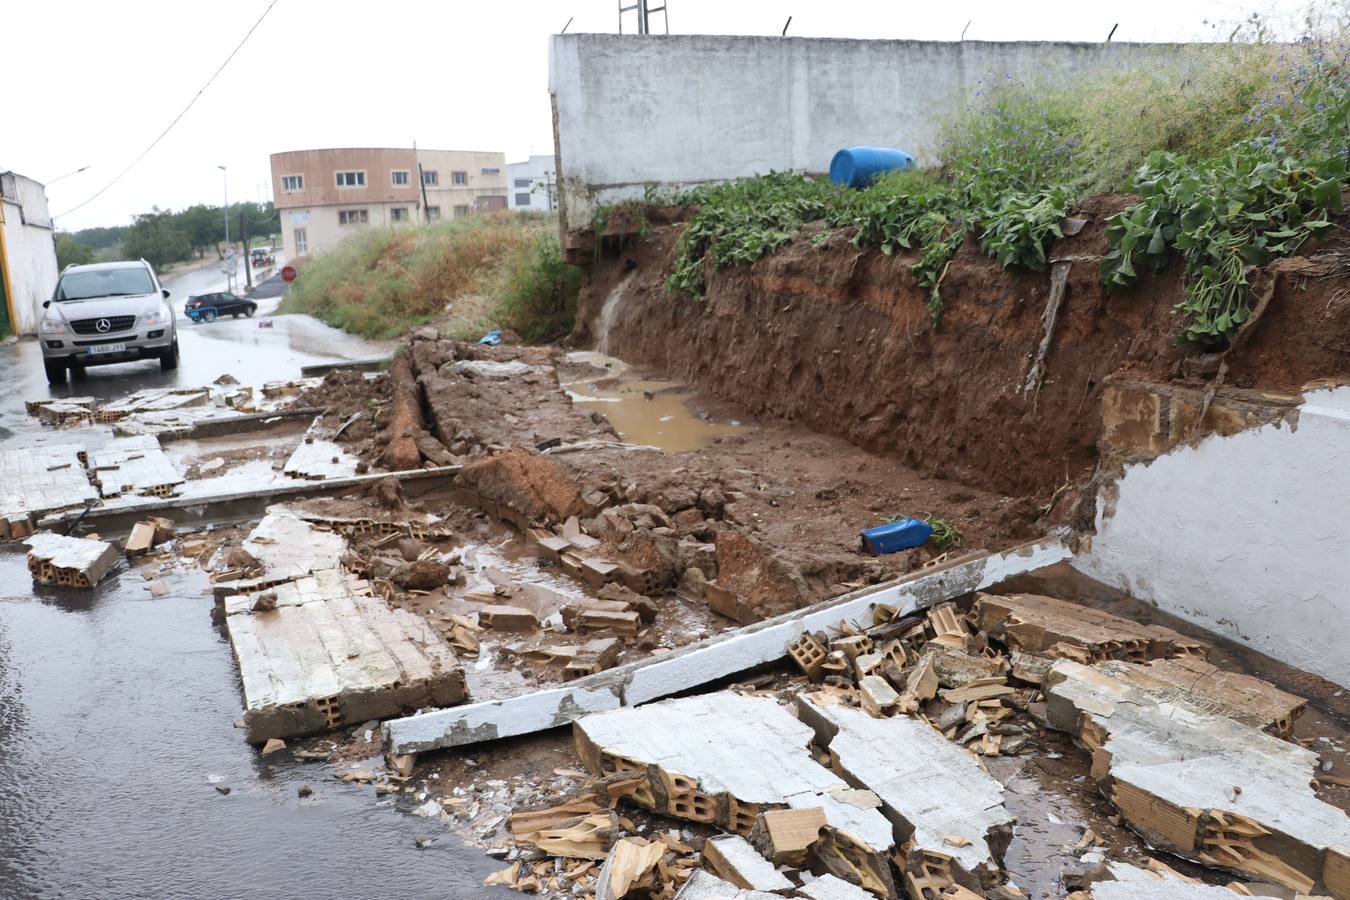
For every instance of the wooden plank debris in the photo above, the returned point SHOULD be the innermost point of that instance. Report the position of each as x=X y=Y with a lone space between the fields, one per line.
x=930 y=789
x=1199 y=784
x=1053 y=627
x=63 y=561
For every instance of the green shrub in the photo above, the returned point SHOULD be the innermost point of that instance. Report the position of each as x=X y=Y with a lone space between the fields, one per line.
x=538 y=293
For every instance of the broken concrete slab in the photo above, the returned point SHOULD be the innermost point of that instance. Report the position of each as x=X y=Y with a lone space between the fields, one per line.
x=1202 y=785
x=724 y=758
x=327 y=654
x=1053 y=627
x=1233 y=694
x=827 y=887
x=69 y=561
x=785 y=836
x=930 y=788
x=735 y=859
x=704 y=885
x=136 y=466
x=39 y=481
x=716 y=657
x=152 y=400
x=286 y=546
x=318 y=460
x=1133 y=883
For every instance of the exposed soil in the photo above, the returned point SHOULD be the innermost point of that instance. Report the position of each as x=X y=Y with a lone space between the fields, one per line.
x=839 y=339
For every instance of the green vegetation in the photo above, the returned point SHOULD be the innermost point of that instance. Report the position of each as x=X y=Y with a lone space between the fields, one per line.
x=468 y=275
x=1238 y=152
x=162 y=237
x=944 y=536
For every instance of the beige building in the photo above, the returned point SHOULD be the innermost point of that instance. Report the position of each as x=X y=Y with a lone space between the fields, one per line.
x=323 y=195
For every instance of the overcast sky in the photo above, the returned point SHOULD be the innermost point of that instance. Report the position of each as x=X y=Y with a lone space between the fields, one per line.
x=91 y=83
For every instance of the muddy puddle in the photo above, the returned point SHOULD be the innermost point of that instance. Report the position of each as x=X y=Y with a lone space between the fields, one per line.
x=643 y=409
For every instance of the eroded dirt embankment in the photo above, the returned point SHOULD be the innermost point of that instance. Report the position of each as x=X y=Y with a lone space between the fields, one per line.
x=840 y=339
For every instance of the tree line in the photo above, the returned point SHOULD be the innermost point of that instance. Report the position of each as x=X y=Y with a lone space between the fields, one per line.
x=161 y=236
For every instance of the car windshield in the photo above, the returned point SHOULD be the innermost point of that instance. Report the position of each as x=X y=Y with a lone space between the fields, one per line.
x=103 y=283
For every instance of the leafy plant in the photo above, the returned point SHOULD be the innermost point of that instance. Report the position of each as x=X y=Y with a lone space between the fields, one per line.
x=945 y=536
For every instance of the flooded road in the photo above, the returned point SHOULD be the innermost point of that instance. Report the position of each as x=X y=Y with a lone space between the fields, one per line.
x=117 y=709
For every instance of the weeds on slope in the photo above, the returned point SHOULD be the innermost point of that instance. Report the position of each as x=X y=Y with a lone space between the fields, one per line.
x=1239 y=153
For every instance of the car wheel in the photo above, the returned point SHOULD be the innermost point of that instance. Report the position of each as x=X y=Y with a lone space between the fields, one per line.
x=209 y=316
x=56 y=371
x=77 y=372
x=169 y=361
x=250 y=309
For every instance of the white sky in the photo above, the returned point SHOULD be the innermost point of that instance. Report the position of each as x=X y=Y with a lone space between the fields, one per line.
x=90 y=82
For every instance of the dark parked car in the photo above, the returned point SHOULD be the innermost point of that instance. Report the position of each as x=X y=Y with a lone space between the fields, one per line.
x=209 y=307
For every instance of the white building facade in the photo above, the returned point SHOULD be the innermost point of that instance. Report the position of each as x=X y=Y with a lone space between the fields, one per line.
x=27 y=253
x=532 y=184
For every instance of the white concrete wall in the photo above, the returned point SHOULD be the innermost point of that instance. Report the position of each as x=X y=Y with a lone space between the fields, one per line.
x=538 y=171
x=679 y=110
x=1244 y=535
x=30 y=248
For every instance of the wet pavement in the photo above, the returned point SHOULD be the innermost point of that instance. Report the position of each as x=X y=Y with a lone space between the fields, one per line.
x=116 y=708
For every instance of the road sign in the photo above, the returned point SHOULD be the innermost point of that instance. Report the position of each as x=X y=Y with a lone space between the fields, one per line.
x=288 y=273
x=230 y=264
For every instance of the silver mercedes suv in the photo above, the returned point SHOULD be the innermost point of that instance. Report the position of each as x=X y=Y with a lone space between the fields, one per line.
x=107 y=313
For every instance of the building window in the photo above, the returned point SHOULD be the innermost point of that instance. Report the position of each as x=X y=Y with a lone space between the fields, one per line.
x=522 y=182
x=291 y=183
x=398 y=214
x=353 y=216
x=433 y=213
x=301 y=242
x=491 y=170
x=430 y=178
x=523 y=199
x=400 y=177
x=459 y=177
x=462 y=211
x=351 y=179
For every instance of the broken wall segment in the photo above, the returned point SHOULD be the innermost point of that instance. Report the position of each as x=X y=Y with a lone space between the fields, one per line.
x=713 y=658
x=724 y=758
x=947 y=811
x=136 y=466
x=39 y=481
x=1202 y=785
x=519 y=481
x=63 y=561
x=319 y=653
x=1047 y=625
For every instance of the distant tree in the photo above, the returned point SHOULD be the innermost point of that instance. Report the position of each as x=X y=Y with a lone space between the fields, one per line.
x=102 y=238
x=156 y=238
x=70 y=252
x=203 y=225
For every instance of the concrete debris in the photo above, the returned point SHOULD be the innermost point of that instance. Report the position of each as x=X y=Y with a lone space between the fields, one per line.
x=827 y=887
x=286 y=547
x=1202 y=785
x=716 y=657
x=507 y=618
x=704 y=885
x=483 y=368
x=318 y=460
x=930 y=789
x=135 y=466
x=785 y=836
x=69 y=561
x=629 y=867
x=1057 y=628
x=734 y=859
x=759 y=761
x=327 y=654
x=35 y=484
x=151 y=400
x=1233 y=694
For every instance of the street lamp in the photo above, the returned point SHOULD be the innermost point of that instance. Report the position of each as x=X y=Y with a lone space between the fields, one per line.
x=225 y=179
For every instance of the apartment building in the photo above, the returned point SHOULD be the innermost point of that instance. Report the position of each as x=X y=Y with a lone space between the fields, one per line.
x=322 y=195
x=532 y=184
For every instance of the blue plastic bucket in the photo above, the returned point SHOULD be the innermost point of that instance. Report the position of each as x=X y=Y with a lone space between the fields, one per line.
x=857 y=167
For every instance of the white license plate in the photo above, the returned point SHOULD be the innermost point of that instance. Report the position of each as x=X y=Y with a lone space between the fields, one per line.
x=105 y=348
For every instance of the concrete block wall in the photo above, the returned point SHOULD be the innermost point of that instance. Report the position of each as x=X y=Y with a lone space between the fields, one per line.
x=680 y=110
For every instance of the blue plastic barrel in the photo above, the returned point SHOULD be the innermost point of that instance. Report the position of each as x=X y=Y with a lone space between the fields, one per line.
x=895 y=536
x=857 y=167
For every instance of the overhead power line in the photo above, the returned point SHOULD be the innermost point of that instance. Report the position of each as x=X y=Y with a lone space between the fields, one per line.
x=189 y=106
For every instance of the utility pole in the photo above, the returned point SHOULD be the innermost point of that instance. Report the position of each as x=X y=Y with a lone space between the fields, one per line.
x=248 y=263
x=225 y=179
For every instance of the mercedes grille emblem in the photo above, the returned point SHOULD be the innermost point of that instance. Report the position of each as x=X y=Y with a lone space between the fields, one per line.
x=103 y=325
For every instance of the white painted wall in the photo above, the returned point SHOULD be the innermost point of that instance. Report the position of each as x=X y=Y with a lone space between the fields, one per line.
x=1244 y=535
x=678 y=110
x=29 y=246
x=538 y=172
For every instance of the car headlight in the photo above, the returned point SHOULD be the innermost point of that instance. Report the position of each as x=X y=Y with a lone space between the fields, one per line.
x=53 y=326
x=154 y=317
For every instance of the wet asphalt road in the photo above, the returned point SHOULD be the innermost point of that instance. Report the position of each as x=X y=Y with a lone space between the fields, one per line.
x=116 y=708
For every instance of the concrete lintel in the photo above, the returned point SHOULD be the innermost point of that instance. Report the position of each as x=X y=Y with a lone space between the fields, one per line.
x=732 y=651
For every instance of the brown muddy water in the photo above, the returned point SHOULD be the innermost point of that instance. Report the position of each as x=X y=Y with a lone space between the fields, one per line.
x=643 y=409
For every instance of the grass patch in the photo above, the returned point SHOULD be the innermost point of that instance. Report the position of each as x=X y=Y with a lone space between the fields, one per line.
x=465 y=275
